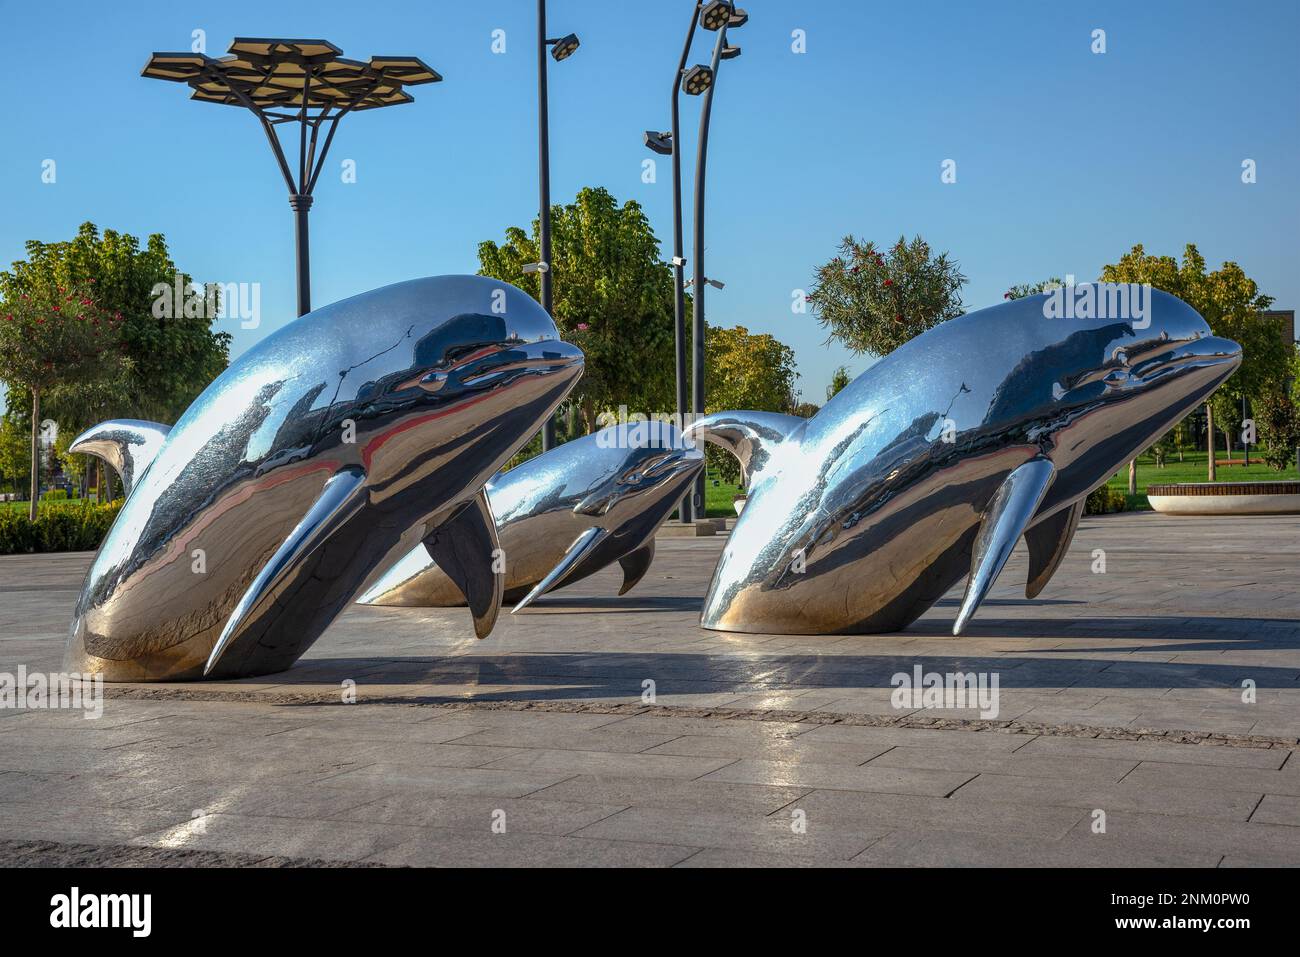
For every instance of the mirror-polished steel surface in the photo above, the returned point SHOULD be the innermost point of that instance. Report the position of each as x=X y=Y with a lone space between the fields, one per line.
x=323 y=453
x=933 y=463
x=128 y=445
x=566 y=514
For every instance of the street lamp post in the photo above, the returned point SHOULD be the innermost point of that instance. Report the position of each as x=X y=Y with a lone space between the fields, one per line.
x=694 y=81
x=560 y=49
x=685 y=510
x=718 y=15
x=307 y=82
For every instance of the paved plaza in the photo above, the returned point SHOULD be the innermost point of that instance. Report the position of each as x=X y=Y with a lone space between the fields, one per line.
x=1147 y=715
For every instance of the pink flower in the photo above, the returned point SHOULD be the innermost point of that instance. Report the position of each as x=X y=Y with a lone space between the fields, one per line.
x=582 y=327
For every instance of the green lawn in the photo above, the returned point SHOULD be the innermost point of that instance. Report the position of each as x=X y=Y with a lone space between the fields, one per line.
x=1193 y=469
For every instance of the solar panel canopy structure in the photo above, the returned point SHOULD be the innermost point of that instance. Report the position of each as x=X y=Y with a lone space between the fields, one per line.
x=307 y=82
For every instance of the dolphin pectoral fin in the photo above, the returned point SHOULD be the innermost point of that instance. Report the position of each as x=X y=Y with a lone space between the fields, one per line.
x=128 y=445
x=748 y=435
x=340 y=497
x=1048 y=542
x=635 y=565
x=580 y=549
x=1011 y=510
x=465 y=548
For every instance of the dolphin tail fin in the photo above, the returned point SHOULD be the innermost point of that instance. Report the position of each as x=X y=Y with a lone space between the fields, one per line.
x=1048 y=542
x=128 y=445
x=749 y=436
x=582 y=547
x=465 y=547
x=340 y=497
x=1006 y=519
x=635 y=565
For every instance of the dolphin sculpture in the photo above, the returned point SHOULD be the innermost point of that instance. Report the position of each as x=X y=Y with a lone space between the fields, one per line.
x=322 y=454
x=936 y=460
x=565 y=514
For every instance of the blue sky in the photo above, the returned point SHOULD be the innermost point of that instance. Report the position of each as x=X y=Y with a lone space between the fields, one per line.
x=1065 y=158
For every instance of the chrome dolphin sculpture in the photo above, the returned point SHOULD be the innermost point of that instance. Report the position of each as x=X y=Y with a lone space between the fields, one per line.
x=936 y=460
x=321 y=455
x=566 y=514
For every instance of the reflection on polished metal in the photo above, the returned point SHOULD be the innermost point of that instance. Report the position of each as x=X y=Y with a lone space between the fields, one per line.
x=326 y=451
x=128 y=445
x=566 y=514
x=935 y=461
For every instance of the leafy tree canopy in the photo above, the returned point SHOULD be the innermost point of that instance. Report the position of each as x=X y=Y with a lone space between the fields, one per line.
x=172 y=358
x=613 y=298
x=875 y=301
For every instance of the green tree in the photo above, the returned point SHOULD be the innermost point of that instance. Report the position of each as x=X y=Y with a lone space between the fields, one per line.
x=1032 y=289
x=874 y=302
x=172 y=357
x=55 y=337
x=613 y=298
x=15 y=449
x=839 y=379
x=745 y=371
x=1231 y=303
x=1279 y=428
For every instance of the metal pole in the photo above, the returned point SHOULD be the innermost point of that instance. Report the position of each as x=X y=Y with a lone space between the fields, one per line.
x=697 y=317
x=301 y=204
x=544 y=186
x=684 y=510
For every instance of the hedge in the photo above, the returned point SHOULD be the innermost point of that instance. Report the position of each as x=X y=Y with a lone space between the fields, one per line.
x=59 y=527
x=1104 y=499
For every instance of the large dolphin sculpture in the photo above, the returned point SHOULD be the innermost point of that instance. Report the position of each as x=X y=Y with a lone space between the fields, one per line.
x=565 y=514
x=321 y=455
x=936 y=460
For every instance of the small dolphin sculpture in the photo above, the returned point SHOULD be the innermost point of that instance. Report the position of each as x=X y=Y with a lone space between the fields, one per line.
x=565 y=514
x=323 y=453
x=935 y=461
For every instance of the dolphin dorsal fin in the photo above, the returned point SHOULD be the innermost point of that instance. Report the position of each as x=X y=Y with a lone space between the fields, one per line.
x=337 y=501
x=580 y=549
x=1048 y=542
x=1008 y=515
x=128 y=445
x=748 y=435
x=464 y=547
x=635 y=565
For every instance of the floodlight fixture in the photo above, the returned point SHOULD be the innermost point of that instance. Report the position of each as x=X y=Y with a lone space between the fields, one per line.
x=564 y=47
x=697 y=79
x=661 y=143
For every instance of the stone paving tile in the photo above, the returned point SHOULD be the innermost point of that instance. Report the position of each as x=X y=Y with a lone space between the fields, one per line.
x=1208 y=778
x=67 y=822
x=1278 y=809
x=599 y=740
x=436 y=847
x=475 y=813
x=1055 y=767
x=1229 y=805
x=611 y=763
x=655 y=724
x=445 y=782
x=903 y=811
x=280 y=836
x=772 y=834
x=891 y=780
x=770 y=748
x=732 y=857
x=1219 y=836
x=934 y=848
x=702 y=795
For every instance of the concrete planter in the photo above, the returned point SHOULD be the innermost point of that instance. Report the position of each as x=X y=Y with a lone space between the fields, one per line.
x=1226 y=498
